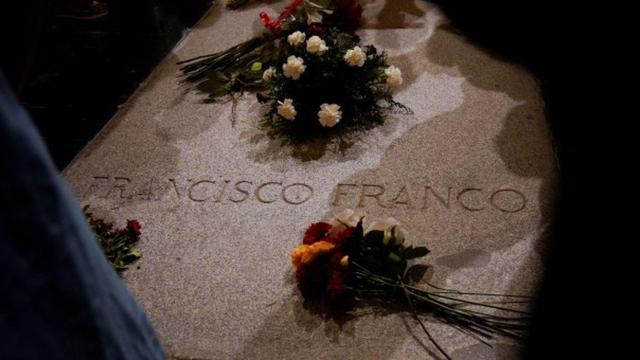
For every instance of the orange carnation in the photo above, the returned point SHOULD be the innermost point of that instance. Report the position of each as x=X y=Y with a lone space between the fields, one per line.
x=305 y=254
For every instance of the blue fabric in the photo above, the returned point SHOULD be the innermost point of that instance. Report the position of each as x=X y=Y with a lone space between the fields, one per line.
x=59 y=298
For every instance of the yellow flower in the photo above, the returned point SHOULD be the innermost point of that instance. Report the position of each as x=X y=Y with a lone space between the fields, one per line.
x=344 y=262
x=304 y=254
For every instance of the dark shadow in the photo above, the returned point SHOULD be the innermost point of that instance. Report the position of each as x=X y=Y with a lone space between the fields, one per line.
x=76 y=73
x=524 y=143
x=338 y=145
x=548 y=37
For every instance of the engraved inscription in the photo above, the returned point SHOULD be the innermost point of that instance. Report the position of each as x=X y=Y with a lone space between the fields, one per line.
x=425 y=197
x=429 y=197
x=200 y=190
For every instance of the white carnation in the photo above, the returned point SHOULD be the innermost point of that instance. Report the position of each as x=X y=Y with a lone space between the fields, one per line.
x=394 y=76
x=296 y=38
x=294 y=67
x=317 y=46
x=267 y=75
x=286 y=109
x=329 y=115
x=355 y=57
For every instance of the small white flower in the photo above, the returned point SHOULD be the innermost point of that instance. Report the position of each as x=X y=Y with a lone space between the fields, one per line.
x=286 y=109
x=296 y=38
x=394 y=76
x=267 y=75
x=355 y=57
x=329 y=115
x=317 y=46
x=391 y=230
x=294 y=67
x=347 y=217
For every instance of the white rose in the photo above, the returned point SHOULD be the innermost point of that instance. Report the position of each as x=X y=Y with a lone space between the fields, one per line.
x=268 y=74
x=347 y=217
x=394 y=76
x=391 y=230
x=296 y=38
x=355 y=57
x=294 y=67
x=286 y=109
x=329 y=115
x=317 y=46
x=394 y=233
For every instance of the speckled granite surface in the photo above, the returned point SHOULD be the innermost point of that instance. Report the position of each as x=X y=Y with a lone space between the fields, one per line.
x=471 y=175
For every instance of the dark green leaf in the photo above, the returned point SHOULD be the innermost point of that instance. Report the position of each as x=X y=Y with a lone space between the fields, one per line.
x=416 y=273
x=374 y=238
x=414 y=252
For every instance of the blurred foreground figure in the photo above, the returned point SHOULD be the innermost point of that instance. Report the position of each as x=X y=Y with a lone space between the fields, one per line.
x=59 y=298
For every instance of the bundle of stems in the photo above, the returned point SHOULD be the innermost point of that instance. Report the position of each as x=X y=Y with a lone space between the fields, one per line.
x=232 y=59
x=461 y=310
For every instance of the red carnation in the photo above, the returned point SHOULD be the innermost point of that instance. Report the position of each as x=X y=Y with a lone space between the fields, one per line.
x=334 y=262
x=317 y=29
x=342 y=237
x=133 y=226
x=336 y=285
x=316 y=232
x=352 y=12
x=312 y=280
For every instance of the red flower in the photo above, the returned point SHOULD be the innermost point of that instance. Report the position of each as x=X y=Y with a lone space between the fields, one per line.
x=316 y=232
x=342 y=237
x=133 y=226
x=334 y=262
x=317 y=29
x=312 y=279
x=336 y=286
x=352 y=13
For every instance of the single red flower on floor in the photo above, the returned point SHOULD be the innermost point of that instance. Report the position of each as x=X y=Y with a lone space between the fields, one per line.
x=133 y=226
x=316 y=232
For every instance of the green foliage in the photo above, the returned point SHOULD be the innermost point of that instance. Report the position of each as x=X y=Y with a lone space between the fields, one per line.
x=232 y=70
x=384 y=258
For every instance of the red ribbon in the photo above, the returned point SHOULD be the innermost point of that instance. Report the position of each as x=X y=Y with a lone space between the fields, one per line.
x=274 y=25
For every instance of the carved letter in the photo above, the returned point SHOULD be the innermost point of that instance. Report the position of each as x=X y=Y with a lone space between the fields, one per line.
x=300 y=199
x=376 y=195
x=175 y=187
x=190 y=191
x=441 y=199
x=146 y=192
x=241 y=191
x=259 y=189
x=402 y=192
x=218 y=198
x=94 y=185
x=466 y=206
x=120 y=186
x=339 y=193
x=523 y=201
